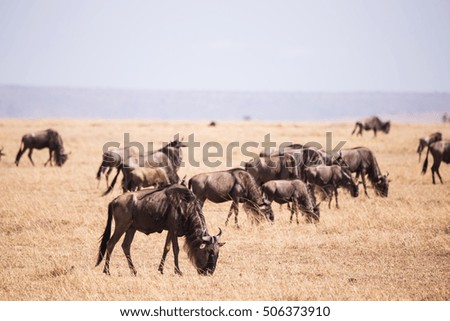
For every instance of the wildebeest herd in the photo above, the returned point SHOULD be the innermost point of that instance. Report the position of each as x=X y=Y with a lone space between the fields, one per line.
x=155 y=199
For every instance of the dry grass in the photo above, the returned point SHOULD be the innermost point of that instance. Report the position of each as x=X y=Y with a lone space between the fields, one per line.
x=371 y=249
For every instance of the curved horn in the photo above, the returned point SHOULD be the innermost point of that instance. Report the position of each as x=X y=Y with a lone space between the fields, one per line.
x=220 y=233
x=206 y=238
x=387 y=174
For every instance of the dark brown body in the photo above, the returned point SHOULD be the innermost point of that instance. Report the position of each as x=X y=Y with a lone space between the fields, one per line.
x=441 y=153
x=372 y=123
x=329 y=179
x=362 y=162
x=48 y=138
x=234 y=185
x=294 y=192
x=173 y=209
x=427 y=141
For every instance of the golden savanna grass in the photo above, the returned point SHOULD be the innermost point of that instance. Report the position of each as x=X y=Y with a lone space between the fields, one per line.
x=396 y=248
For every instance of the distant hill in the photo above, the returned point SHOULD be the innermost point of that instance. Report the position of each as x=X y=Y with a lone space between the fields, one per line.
x=43 y=102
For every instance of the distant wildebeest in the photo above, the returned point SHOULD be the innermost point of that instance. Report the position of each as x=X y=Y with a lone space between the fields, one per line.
x=426 y=141
x=362 y=162
x=441 y=153
x=264 y=169
x=212 y=124
x=43 y=139
x=329 y=179
x=173 y=209
x=372 y=123
x=168 y=158
x=234 y=185
x=139 y=177
x=1 y=153
x=295 y=192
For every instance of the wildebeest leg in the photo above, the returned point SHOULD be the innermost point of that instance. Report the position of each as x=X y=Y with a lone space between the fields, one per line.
x=126 y=245
x=165 y=251
x=330 y=197
x=107 y=175
x=49 y=159
x=363 y=179
x=336 y=196
x=291 y=209
x=374 y=132
x=29 y=155
x=435 y=169
x=294 y=210
x=233 y=208
x=176 y=250
x=118 y=232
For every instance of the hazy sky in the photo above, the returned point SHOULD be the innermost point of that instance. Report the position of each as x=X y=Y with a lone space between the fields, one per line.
x=382 y=45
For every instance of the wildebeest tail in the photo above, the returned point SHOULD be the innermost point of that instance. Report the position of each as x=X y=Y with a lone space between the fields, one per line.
x=106 y=235
x=425 y=163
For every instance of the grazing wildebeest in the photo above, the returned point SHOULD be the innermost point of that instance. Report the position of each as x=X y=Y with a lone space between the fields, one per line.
x=426 y=141
x=173 y=209
x=441 y=153
x=234 y=185
x=295 y=192
x=312 y=156
x=168 y=158
x=1 y=153
x=43 y=139
x=329 y=179
x=372 y=123
x=362 y=161
x=139 y=177
x=264 y=169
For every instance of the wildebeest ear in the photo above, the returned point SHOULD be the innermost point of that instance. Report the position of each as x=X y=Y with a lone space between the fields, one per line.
x=221 y=244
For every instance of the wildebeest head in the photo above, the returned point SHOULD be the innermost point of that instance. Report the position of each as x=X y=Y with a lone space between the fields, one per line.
x=61 y=157
x=260 y=211
x=382 y=185
x=203 y=251
x=208 y=254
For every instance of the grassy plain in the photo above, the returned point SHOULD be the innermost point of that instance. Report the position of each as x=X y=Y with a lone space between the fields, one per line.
x=396 y=248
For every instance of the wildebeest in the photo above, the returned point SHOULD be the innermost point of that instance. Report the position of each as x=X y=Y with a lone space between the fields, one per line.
x=426 y=141
x=441 y=153
x=264 y=169
x=113 y=158
x=234 y=185
x=329 y=179
x=362 y=162
x=295 y=192
x=173 y=209
x=372 y=123
x=139 y=177
x=168 y=158
x=48 y=138
x=1 y=153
